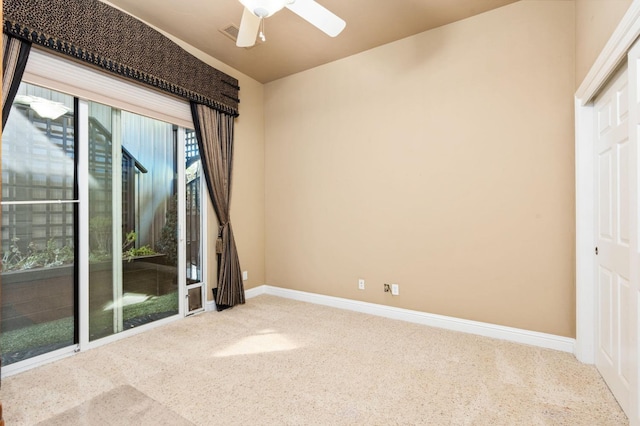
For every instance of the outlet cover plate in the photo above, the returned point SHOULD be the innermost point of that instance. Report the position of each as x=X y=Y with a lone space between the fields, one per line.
x=361 y=284
x=395 y=289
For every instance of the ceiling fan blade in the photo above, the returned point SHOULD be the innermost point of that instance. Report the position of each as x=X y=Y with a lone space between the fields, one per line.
x=248 y=31
x=317 y=15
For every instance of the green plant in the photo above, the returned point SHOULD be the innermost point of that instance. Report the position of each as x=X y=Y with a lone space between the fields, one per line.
x=168 y=242
x=35 y=257
x=100 y=230
x=137 y=251
x=129 y=252
x=129 y=240
x=101 y=234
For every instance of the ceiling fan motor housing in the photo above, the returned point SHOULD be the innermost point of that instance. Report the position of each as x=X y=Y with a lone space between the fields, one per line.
x=264 y=8
x=261 y=12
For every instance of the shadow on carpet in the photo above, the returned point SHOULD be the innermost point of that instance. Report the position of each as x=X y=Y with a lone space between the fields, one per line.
x=124 y=405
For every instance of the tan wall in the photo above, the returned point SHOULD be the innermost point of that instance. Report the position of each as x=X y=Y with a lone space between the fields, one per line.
x=595 y=22
x=247 y=198
x=442 y=162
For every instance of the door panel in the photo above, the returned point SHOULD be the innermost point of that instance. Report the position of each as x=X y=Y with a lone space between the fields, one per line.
x=39 y=202
x=623 y=194
x=625 y=368
x=605 y=323
x=632 y=317
x=613 y=239
x=194 y=225
x=133 y=270
x=605 y=228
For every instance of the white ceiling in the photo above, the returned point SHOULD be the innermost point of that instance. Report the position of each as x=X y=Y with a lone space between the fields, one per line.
x=292 y=44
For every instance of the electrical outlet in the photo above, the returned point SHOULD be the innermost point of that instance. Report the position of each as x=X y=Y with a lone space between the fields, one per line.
x=386 y=288
x=245 y=275
x=361 y=284
x=395 y=289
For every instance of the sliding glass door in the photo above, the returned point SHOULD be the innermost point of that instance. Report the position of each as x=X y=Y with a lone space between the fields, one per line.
x=39 y=208
x=133 y=221
x=79 y=174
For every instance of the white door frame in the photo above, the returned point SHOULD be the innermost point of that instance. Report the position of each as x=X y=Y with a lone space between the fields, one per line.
x=614 y=53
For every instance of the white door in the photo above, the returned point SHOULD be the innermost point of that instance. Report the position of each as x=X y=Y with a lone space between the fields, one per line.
x=613 y=239
x=634 y=203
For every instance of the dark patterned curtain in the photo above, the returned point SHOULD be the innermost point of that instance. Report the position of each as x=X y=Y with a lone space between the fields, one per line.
x=214 y=131
x=15 y=53
x=99 y=35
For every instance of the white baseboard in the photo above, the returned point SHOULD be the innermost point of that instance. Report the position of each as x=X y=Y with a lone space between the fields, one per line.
x=210 y=305
x=256 y=291
x=534 y=338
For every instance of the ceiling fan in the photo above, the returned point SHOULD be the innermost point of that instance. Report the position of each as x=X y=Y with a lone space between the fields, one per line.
x=255 y=11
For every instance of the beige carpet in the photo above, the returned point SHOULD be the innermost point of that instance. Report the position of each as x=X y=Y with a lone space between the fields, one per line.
x=275 y=361
x=110 y=408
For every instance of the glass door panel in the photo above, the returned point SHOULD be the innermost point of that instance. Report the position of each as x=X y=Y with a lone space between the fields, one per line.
x=104 y=312
x=133 y=221
x=39 y=199
x=193 y=224
x=149 y=219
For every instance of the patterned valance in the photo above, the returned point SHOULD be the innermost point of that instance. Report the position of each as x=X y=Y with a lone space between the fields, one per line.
x=98 y=34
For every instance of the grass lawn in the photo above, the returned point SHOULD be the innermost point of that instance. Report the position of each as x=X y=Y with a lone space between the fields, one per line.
x=60 y=332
